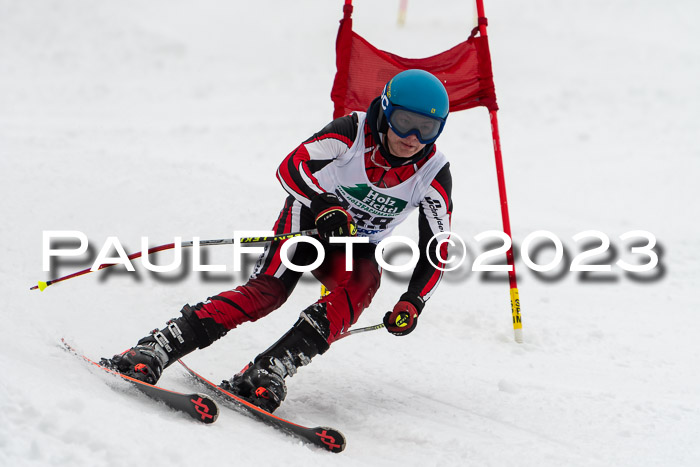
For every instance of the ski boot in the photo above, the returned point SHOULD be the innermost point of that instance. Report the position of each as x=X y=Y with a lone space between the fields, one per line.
x=161 y=348
x=262 y=382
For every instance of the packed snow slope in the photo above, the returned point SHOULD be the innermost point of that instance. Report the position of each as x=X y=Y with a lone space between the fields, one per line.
x=168 y=118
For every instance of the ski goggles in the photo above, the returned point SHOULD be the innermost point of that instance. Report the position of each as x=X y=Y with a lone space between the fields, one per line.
x=406 y=122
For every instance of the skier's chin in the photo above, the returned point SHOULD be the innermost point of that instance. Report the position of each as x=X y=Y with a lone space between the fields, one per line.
x=403 y=149
x=410 y=150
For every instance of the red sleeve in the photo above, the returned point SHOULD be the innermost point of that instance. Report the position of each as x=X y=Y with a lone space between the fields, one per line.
x=296 y=172
x=435 y=216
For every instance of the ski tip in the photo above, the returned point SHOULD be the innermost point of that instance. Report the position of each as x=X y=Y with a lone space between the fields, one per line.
x=66 y=346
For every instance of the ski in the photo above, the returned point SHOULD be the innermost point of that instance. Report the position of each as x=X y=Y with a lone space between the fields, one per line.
x=327 y=438
x=198 y=406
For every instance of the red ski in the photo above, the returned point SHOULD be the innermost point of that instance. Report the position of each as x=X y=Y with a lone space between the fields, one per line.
x=327 y=438
x=198 y=406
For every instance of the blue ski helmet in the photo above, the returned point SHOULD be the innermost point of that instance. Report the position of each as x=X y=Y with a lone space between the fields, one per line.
x=416 y=103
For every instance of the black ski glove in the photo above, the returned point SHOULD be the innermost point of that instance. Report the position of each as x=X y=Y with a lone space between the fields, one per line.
x=331 y=219
x=404 y=318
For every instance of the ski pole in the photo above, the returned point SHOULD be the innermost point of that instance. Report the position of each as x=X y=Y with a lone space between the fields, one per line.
x=225 y=241
x=253 y=240
x=359 y=330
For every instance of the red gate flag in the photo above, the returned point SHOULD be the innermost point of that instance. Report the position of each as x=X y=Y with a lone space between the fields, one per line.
x=465 y=71
x=363 y=70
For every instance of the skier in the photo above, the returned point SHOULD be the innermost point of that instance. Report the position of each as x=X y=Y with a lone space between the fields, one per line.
x=360 y=175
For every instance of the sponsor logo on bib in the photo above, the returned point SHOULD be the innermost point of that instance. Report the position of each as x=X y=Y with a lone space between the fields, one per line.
x=367 y=199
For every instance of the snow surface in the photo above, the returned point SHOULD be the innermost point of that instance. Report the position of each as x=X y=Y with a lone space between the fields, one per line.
x=168 y=118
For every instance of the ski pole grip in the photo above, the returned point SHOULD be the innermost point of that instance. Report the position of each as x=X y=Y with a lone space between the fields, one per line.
x=402 y=319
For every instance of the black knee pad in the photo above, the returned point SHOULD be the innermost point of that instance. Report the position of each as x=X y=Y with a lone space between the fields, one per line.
x=206 y=330
x=316 y=318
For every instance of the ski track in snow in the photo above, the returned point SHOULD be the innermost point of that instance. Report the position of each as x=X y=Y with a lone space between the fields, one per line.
x=160 y=119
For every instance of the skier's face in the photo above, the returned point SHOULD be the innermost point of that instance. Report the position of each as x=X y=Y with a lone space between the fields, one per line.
x=403 y=147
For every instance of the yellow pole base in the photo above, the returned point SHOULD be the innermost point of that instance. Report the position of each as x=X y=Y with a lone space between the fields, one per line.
x=517 y=320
